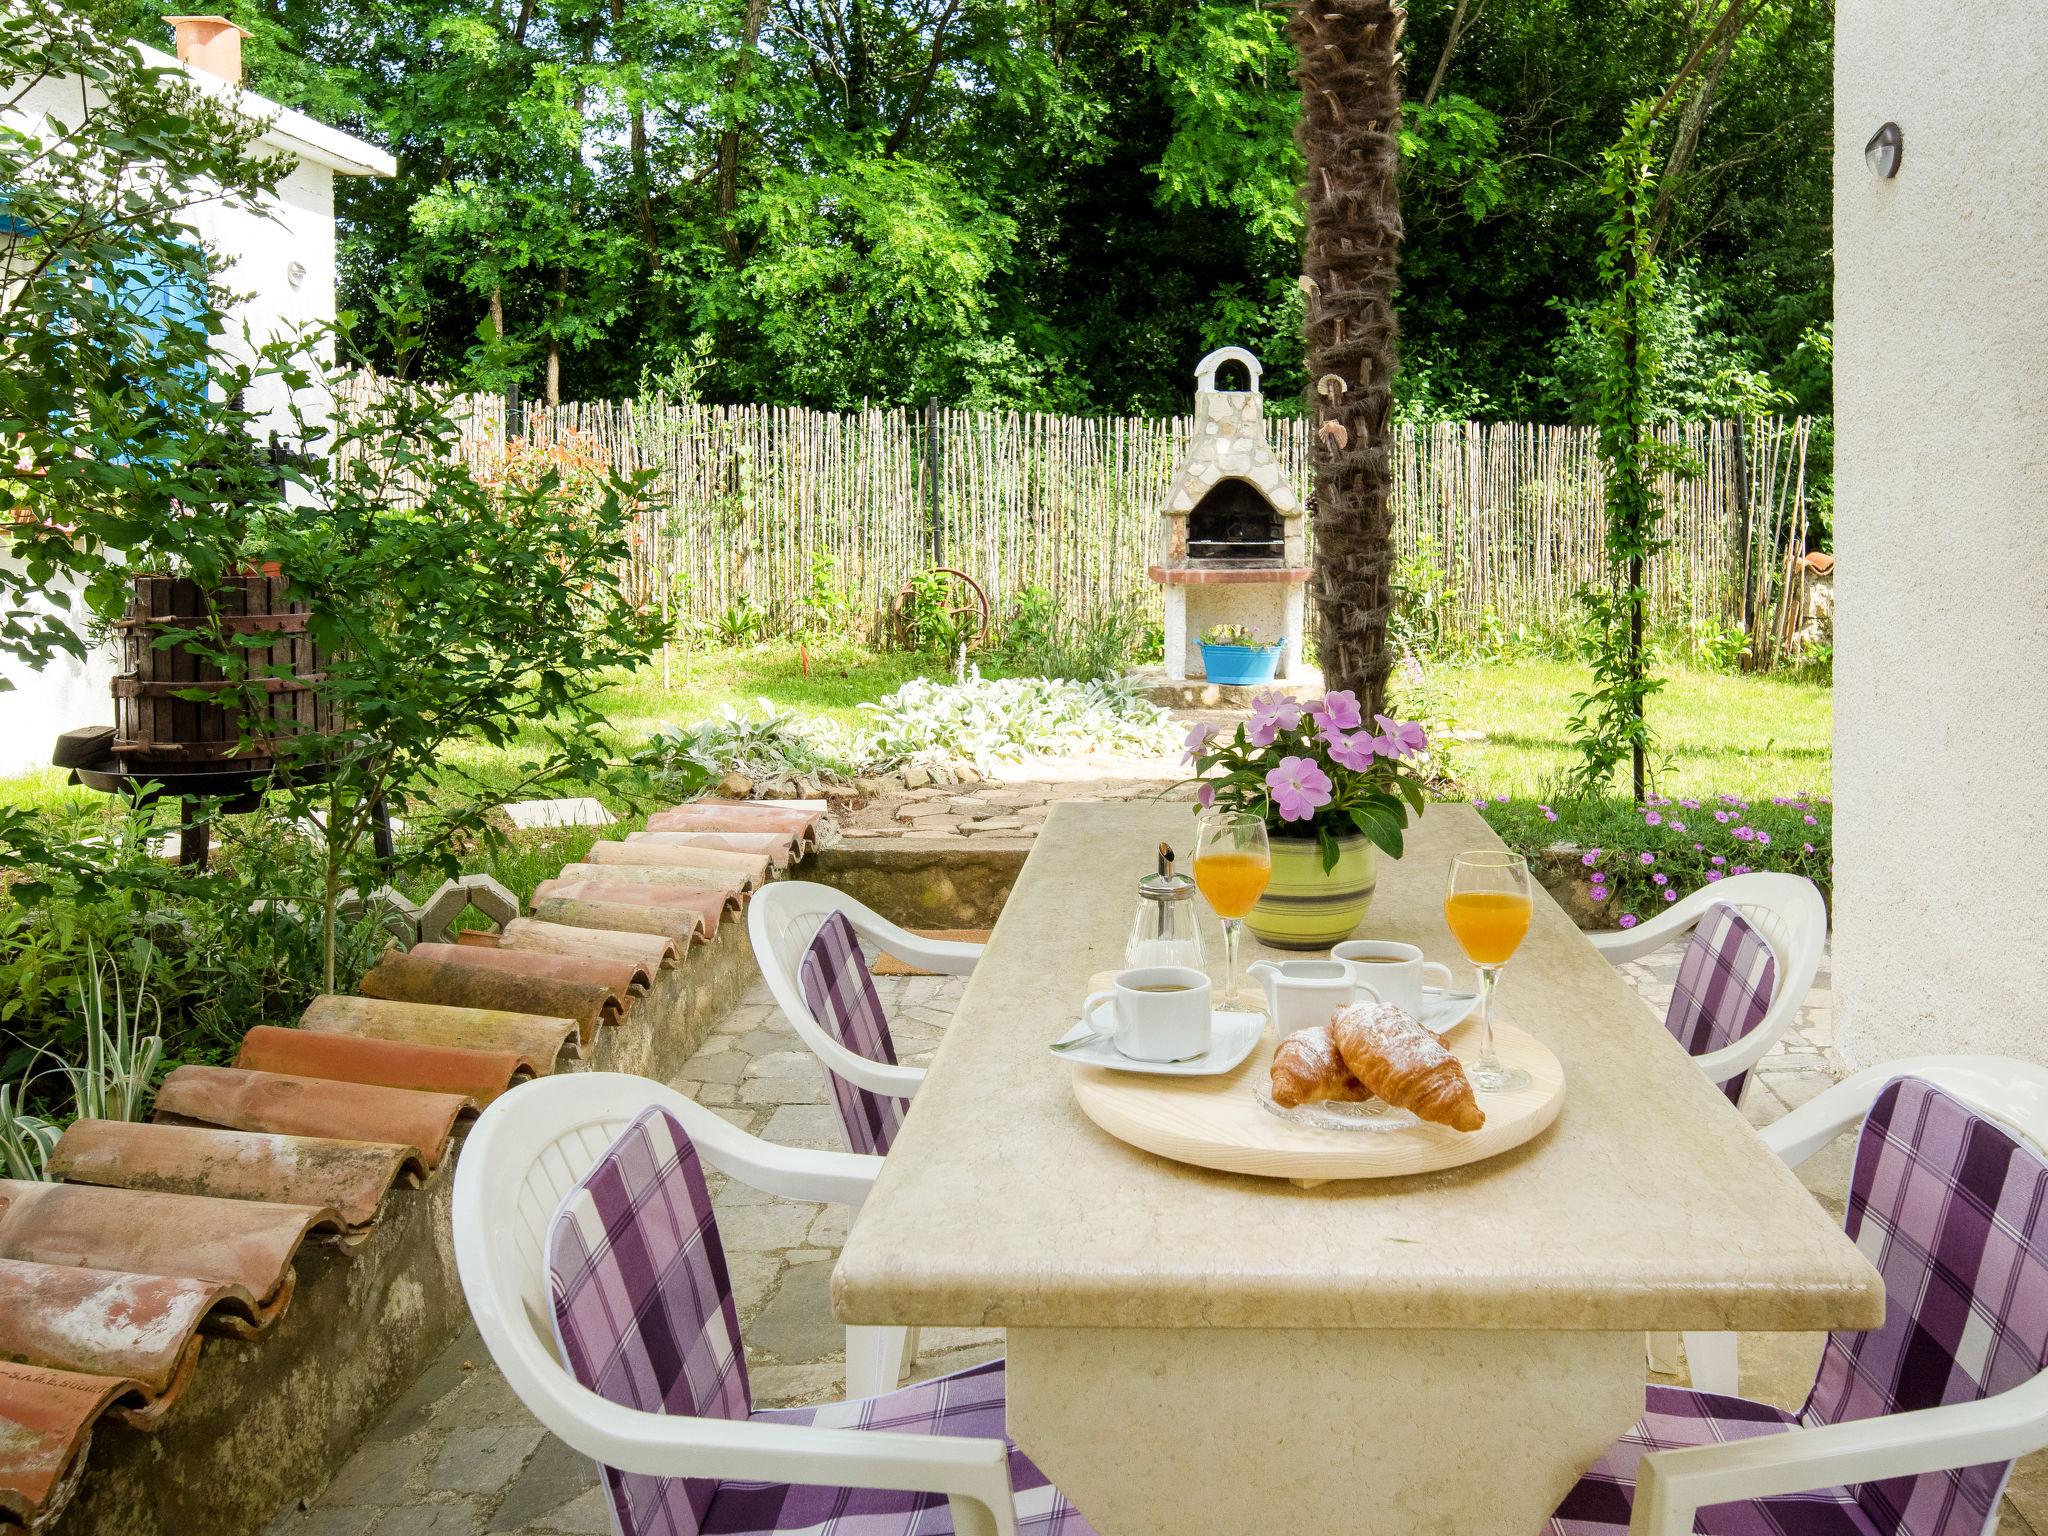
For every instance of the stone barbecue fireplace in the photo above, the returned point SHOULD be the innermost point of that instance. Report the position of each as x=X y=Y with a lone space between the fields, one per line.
x=1232 y=549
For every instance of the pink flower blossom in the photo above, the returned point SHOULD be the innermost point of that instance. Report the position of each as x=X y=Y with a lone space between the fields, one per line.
x=1678 y=826
x=1478 y=805
x=1589 y=858
x=1337 y=712
x=1745 y=834
x=1197 y=738
x=1717 y=859
x=1400 y=738
x=1723 y=817
x=1740 y=869
x=1652 y=819
x=1354 y=752
x=1549 y=814
x=1629 y=919
x=1810 y=821
x=1272 y=713
x=1671 y=895
x=1205 y=795
x=1660 y=878
x=1806 y=847
x=1648 y=858
x=1763 y=839
x=1299 y=788
x=1601 y=893
x=1714 y=874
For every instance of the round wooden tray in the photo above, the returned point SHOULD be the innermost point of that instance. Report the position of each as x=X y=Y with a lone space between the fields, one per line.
x=1218 y=1122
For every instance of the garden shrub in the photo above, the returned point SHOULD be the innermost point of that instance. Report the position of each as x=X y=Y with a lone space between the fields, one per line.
x=224 y=948
x=1040 y=639
x=1640 y=859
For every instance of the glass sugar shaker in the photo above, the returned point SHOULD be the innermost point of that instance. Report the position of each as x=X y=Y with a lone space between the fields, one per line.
x=1163 y=929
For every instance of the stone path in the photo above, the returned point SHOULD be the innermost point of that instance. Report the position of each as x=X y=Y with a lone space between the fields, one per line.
x=461 y=1457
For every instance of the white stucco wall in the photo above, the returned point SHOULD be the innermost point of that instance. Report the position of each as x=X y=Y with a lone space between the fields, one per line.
x=259 y=251
x=1941 y=526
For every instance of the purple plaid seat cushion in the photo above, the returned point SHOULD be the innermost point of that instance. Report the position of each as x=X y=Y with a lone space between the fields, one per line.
x=968 y=1403
x=1678 y=1418
x=840 y=992
x=643 y=1306
x=1953 y=1211
x=1725 y=985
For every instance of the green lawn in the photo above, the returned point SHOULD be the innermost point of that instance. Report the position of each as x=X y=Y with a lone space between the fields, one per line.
x=1717 y=732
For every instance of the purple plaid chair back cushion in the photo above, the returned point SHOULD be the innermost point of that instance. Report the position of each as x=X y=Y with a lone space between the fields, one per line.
x=1725 y=986
x=1950 y=1208
x=643 y=1306
x=833 y=977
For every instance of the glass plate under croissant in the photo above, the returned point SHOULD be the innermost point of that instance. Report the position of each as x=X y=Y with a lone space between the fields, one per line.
x=1370 y=1067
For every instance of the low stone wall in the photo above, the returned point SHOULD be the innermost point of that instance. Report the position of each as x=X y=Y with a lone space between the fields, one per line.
x=925 y=882
x=267 y=1422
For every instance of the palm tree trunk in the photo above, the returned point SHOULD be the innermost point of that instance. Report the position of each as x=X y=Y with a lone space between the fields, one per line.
x=1350 y=76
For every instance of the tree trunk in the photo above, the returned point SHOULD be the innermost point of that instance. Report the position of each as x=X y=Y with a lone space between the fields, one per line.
x=1349 y=135
x=554 y=374
x=728 y=153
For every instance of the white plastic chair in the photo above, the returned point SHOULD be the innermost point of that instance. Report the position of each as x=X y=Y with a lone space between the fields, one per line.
x=528 y=1150
x=1793 y=919
x=784 y=917
x=1672 y=1486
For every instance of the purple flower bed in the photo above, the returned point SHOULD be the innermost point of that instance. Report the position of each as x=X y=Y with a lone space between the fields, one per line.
x=1639 y=859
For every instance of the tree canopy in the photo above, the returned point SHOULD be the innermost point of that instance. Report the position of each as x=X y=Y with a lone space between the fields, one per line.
x=1050 y=203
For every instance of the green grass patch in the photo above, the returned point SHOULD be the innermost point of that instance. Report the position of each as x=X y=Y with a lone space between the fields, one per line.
x=1717 y=732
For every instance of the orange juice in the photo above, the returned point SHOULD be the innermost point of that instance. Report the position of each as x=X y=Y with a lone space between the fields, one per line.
x=1232 y=882
x=1488 y=925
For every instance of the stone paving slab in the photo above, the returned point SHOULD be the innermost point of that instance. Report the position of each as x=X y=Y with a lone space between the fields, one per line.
x=461 y=1457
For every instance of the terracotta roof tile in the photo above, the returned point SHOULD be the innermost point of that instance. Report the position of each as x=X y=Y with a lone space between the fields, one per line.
x=311 y=1106
x=46 y=1423
x=478 y=1075
x=622 y=979
x=680 y=925
x=245 y=1243
x=800 y=821
x=537 y=1038
x=754 y=866
x=721 y=880
x=351 y=1177
x=101 y=1322
x=711 y=907
x=651 y=951
x=779 y=848
x=415 y=979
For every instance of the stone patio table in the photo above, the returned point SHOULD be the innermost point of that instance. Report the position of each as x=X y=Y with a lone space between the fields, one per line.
x=1193 y=1352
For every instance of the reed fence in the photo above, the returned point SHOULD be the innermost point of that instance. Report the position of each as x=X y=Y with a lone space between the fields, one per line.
x=773 y=515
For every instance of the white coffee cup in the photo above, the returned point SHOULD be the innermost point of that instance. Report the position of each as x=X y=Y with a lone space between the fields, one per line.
x=1395 y=971
x=1161 y=1012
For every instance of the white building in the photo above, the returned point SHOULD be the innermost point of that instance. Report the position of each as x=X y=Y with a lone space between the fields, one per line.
x=281 y=260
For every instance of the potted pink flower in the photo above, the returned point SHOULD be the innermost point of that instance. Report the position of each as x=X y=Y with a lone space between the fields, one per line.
x=1333 y=791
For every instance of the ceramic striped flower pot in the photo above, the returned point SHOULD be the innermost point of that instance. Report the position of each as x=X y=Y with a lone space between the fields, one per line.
x=1306 y=908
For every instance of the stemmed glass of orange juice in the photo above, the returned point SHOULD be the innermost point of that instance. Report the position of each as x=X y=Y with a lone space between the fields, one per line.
x=1488 y=907
x=1232 y=865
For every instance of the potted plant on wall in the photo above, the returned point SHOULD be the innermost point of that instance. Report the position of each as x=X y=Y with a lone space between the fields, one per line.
x=1234 y=653
x=1334 y=793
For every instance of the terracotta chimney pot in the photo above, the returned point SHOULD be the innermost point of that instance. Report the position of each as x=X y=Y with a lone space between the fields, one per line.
x=211 y=43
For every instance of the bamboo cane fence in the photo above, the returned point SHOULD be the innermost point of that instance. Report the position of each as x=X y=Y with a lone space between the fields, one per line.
x=779 y=512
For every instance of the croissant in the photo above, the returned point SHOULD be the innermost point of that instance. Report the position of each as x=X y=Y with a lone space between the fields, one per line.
x=1308 y=1070
x=1406 y=1065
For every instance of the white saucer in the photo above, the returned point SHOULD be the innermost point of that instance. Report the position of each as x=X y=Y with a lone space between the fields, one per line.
x=1442 y=1010
x=1231 y=1038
